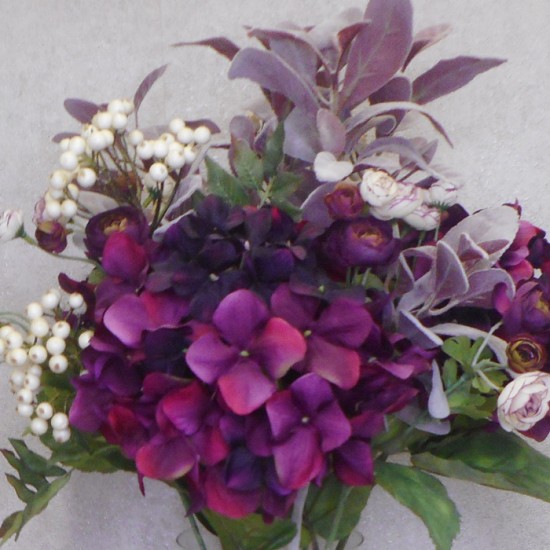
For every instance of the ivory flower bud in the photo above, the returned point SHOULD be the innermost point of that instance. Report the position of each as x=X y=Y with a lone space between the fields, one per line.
x=11 y=223
x=524 y=401
x=424 y=218
x=328 y=168
x=406 y=200
x=442 y=193
x=377 y=187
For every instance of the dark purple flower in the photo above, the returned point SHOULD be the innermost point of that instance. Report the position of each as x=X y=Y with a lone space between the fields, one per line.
x=246 y=353
x=124 y=258
x=345 y=202
x=307 y=423
x=51 y=236
x=125 y=219
x=363 y=243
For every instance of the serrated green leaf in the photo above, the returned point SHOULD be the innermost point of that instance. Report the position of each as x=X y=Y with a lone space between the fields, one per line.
x=251 y=532
x=11 y=526
x=449 y=373
x=463 y=350
x=474 y=405
x=284 y=185
x=501 y=460
x=248 y=166
x=273 y=154
x=27 y=476
x=425 y=496
x=322 y=503
x=225 y=185
x=34 y=462
x=23 y=493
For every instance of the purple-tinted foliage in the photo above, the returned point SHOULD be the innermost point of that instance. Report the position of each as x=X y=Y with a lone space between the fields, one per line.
x=81 y=110
x=449 y=75
x=146 y=85
x=426 y=38
x=222 y=45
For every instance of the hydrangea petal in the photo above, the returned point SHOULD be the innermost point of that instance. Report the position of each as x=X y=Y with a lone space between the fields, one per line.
x=353 y=464
x=186 y=407
x=333 y=426
x=345 y=322
x=127 y=319
x=165 y=459
x=208 y=357
x=283 y=413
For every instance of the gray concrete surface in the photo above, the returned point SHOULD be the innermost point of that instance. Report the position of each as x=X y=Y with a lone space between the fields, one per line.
x=101 y=49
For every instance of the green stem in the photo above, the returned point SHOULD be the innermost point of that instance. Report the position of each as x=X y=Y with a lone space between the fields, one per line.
x=297 y=515
x=191 y=517
x=338 y=516
x=30 y=240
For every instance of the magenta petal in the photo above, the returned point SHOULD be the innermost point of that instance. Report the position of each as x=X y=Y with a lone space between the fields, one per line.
x=311 y=392
x=208 y=357
x=278 y=347
x=165 y=458
x=296 y=309
x=211 y=445
x=299 y=459
x=239 y=315
x=345 y=322
x=123 y=257
x=333 y=426
x=186 y=407
x=245 y=388
x=283 y=414
x=127 y=319
x=353 y=463
x=333 y=363
x=164 y=309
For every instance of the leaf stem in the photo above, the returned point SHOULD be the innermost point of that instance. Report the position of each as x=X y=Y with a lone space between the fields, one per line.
x=344 y=494
x=297 y=514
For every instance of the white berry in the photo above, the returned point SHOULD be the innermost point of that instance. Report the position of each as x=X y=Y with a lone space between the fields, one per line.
x=38 y=353
x=202 y=135
x=68 y=160
x=186 y=135
x=44 y=410
x=39 y=426
x=76 y=300
x=25 y=409
x=62 y=436
x=84 y=339
x=61 y=329
x=59 y=421
x=55 y=345
x=77 y=145
x=86 y=177
x=39 y=327
x=58 y=364
x=24 y=396
x=31 y=382
x=34 y=310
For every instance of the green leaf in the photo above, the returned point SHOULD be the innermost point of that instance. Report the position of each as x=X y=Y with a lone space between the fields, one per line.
x=225 y=185
x=450 y=373
x=34 y=462
x=425 y=496
x=248 y=166
x=28 y=477
x=284 y=185
x=500 y=459
x=23 y=493
x=472 y=404
x=251 y=532
x=273 y=154
x=322 y=503
x=12 y=525
x=96 y=276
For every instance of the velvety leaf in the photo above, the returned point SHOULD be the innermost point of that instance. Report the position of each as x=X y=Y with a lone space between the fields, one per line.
x=347 y=34
x=332 y=133
x=301 y=136
x=222 y=45
x=224 y=185
x=96 y=203
x=425 y=496
x=251 y=532
x=322 y=503
x=378 y=51
x=272 y=73
x=449 y=75
x=273 y=153
x=426 y=38
x=498 y=459
x=248 y=166
x=146 y=85
x=185 y=190
x=357 y=123
x=314 y=208
x=63 y=135
x=80 y=109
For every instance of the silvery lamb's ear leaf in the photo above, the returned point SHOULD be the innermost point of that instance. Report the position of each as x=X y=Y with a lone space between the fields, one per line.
x=438 y=404
x=358 y=122
x=493 y=229
x=314 y=208
x=398 y=88
x=220 y=44
x=297 y=52
x=95 y=203
x=378 y=51
x=186 y=188
x=332 y=132
x=482 y=286
x=416 y=332
x=449 y=75
x=449 y=278
x=146 y=85
x=62 y=135
x=301 y=136
x=401 y=146
x=81 y=109
x=426 y=38
x=241 y=127
x=272 y=73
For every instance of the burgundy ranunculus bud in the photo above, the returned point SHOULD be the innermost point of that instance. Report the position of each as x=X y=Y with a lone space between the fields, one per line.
x=345 y=202
x=125 y=219
x=364 y=242
x=51 y=236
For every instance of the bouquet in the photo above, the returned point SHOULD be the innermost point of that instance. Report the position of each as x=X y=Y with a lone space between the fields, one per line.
x=277 y=317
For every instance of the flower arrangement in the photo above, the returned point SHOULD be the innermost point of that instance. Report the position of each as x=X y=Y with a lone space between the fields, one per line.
x=271 y=321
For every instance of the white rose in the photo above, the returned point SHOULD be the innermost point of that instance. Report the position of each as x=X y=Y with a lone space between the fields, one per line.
x=443 y=193
x=378 y=187
x=424 y=218
x=407 y=199
x=327 y=168
x=11 y=222
x=524 y=401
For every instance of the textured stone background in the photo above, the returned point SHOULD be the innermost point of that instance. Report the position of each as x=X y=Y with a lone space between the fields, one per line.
x=53 y=49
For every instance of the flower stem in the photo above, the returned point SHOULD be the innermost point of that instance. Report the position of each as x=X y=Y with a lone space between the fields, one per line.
x=30 y=240
x=346 y=490
x=191 y=517
x=297 y=514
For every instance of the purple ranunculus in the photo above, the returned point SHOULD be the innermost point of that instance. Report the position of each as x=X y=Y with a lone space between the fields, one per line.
x=51 y=236
x=124 y=258
x=345 y=202
x=125 y=219
x=246 y=352
x=307 y=423
x=363 y=242
x=334 y=332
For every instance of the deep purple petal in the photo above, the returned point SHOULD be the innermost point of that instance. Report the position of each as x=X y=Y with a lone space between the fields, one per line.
x=127 y=319
x=283 y=414
x=311 y=393
x=211 y=445
x=345 y=322
x=186 y=407
x=164 y=309
x=208 y=357
x=333 y=426
x=245 y=388
x=278 y=347
x=239 y=316
x=353 y=464
x=165 y=458
x=123 y=257
x=298 y=459
x=297 y=310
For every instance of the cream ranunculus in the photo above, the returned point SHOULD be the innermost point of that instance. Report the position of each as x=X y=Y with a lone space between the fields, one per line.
x=378 y=187
x=406 y=200
x=11 y=223
x=524 y=401
x=424 y=218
